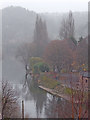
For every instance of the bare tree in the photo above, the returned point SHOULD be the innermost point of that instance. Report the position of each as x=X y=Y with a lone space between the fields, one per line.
x=10 y=106
x=67 y=29
x=24 y=53
x=79 y=100
x=63 y=30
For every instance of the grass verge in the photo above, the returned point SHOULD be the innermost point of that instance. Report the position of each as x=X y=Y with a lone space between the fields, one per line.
x=48 y=82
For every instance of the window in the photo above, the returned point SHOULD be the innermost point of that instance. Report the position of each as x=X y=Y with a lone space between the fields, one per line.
x=86 y=81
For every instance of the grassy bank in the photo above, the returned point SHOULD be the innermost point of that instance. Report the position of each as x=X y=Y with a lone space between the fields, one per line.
x=48 y=82
x=53 y=84
x=57 y=87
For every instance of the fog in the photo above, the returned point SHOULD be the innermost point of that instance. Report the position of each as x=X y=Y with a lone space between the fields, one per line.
x=27 y=30
x=18 y=28
x=48 y=5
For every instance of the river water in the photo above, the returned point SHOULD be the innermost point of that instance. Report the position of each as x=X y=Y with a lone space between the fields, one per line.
x=37 y=103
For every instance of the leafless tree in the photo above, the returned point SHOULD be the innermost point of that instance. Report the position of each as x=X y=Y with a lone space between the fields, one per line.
x=63 y=30
x=10 y=106
x=79 y=100
x=24 y=52
x=67 y=29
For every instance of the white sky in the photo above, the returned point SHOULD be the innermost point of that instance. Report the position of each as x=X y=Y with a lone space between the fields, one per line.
x=48 y=5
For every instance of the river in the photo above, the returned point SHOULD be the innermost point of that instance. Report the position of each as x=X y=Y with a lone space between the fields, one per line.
x=37 y=103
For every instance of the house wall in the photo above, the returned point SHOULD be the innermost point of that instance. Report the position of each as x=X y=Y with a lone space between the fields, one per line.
x=83 y=82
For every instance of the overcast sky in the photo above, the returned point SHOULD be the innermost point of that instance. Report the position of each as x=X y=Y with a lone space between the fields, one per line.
x=48 y=5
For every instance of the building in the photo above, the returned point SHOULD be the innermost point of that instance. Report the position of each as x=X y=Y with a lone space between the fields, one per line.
x=84 y=80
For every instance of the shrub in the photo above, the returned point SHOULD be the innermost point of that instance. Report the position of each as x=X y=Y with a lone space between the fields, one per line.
x=36 y=69
x=68 y=91
x=35 y=60
x=41 y=67
x=63 y=71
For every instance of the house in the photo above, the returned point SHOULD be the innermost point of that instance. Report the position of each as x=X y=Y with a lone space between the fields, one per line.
x=84 y=80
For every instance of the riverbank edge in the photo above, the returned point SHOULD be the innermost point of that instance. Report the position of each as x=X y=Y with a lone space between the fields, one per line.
x=54 y=93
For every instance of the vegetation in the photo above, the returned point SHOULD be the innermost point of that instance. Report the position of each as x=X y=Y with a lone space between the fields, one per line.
x=10 y=106
x=35 y=60
x=48 y=82
x=68 y=91
x=62 y=56
x=43 y=67
x=40 y=36
x=67 y=29
x=38 y=65
x=59 y=54
x=36 y=69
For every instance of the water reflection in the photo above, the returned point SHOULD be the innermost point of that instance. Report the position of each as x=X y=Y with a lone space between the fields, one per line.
x=58 y=108
x=39 y=96
x=46 y=105
x=37 y=102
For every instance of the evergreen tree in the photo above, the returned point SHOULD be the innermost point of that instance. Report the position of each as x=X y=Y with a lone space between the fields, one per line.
x=71 y=26
x=40 y=36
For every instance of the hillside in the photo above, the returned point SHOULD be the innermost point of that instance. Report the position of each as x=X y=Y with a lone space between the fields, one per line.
x=18 y=23
x=18 y=26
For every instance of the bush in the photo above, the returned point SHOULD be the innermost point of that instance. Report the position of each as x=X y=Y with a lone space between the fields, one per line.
x=41 y=67
x=35 y=69
x=63 y=71
x=68 y=91
x=35 y=60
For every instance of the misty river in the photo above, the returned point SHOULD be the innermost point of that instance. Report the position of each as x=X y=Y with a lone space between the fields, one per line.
x=37 y=103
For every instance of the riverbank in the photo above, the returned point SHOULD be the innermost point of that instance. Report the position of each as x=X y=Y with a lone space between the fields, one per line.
x=56 y=88
x=53 y=92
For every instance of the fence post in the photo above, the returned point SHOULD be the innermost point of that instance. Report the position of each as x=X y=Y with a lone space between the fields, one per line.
x=22 y=109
